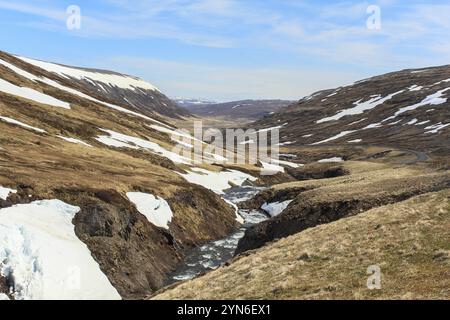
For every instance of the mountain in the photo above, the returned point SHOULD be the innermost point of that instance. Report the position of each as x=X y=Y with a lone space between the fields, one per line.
x=190 y=103
x=371 y=193
x=96 y=202
x=410 y=108
x=137 y=94
x=247 y=110
x=92 y=193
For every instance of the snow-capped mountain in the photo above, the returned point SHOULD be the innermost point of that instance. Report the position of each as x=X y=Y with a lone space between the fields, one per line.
x=410 y=108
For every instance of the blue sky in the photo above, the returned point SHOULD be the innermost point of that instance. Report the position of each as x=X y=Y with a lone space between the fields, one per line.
x=233 y=49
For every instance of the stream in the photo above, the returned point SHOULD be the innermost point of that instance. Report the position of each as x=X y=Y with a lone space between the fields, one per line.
x=212 y=255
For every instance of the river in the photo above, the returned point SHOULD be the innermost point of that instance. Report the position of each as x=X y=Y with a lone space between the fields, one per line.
x=212 y=255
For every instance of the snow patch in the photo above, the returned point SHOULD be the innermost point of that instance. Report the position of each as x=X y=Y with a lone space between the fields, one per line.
x=31 y=94
x=275 y=208
x=433 y=100
x=119 y=140
x=335 y=159
x=338 y=136
x=21 y=124
x=155 y=209
x=76 y=141
x=40 y=250
x=360 y=107
x=436 y=128
x=217 y=181
x=5 y=192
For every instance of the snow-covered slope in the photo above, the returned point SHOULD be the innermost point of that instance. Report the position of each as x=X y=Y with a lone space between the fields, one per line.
x=134 y=93
x=406 y=108
x=40 y=251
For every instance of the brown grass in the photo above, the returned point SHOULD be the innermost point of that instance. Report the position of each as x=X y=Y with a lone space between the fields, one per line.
x=408 y=240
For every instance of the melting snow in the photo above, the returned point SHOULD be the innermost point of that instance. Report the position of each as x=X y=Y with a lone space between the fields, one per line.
x=155 y=209
x=360 y=107
x=275 y=208
x=217 y=181
x=76 y=141
x=271 y=168
x=16 y=122
x=119 y=140
x=40 y=250
x=340 y=135
x=355 y=141
x=413 y=121
x=415 y=88
x=31 y=94
x=436 y=128
x=434 y=99
x=5 y=192
x=335 y=159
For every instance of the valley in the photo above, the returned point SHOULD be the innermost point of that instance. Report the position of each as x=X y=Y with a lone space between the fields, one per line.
x=88 y=165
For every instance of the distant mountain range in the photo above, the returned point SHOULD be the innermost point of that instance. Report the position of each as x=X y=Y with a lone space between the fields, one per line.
x=248 y=110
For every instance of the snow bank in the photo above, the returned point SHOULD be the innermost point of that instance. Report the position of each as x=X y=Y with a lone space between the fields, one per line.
x=360 y=107
x=217 y=181
x=76 y=141
x=338 y=136
x=287 y=163
x=119 y=140
x=271 y=168
x=155 y=209
x=275 y=208
x=433 y=100
x=4 y=192
x=31 y=94
x=41 y=252
x=436 y=128
x=335 y=159
x=21 y=124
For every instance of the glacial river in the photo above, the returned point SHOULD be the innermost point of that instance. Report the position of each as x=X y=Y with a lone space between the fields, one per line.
x=211 y=255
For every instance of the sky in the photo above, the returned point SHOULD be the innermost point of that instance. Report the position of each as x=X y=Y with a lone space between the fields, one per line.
x=227 y=50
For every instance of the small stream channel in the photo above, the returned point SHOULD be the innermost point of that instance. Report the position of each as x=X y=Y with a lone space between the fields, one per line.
x=211 y=255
